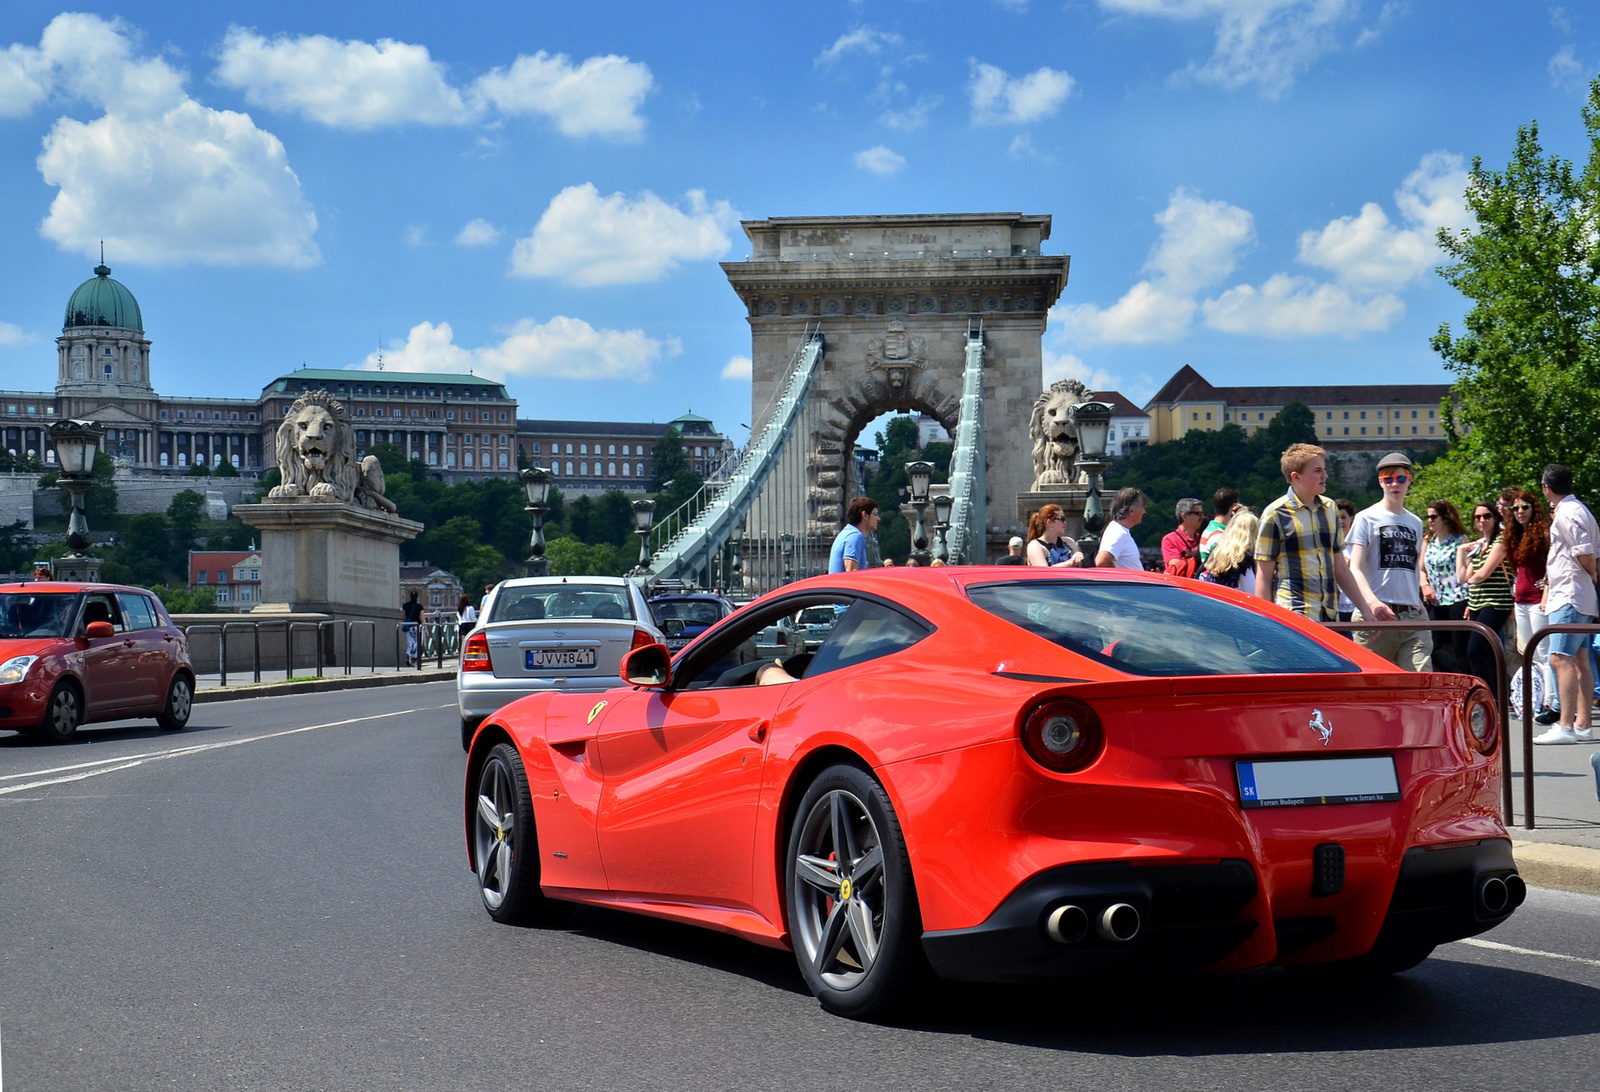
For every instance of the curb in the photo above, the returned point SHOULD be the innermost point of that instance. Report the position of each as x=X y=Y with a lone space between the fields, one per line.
x=1551 y=864
x=320 y=686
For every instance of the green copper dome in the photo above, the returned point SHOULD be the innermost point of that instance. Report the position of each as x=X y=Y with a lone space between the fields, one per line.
x=102 y=301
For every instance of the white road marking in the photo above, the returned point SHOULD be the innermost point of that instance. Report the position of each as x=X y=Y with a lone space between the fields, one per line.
x=127 y=762
x=1496 y=946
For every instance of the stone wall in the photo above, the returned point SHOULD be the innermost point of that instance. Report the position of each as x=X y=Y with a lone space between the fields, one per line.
x=136 y=496
x=16 y=498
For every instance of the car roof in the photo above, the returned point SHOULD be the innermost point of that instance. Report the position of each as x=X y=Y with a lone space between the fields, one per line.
x=557 y=581
x=60 y=586
x=680 y=597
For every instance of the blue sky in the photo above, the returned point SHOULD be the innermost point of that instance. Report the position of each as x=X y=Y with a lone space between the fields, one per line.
x=541 y=192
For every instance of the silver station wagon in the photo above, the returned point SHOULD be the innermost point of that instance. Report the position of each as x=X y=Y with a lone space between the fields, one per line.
x=566 y=633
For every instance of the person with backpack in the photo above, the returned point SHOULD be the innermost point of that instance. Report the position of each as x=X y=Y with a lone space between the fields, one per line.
x=1180 y=548
x=1048 y=545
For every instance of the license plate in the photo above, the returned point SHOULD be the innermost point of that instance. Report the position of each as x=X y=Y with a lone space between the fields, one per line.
x=1298 y=782
x=560 y=657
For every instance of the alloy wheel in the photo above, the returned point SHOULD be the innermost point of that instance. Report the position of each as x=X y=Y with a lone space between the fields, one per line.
x=839 y=890
x=494 y=832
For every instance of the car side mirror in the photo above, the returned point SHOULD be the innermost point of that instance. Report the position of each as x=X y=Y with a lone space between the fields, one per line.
x=672 y=627
x=100 y=629
x=649 y=666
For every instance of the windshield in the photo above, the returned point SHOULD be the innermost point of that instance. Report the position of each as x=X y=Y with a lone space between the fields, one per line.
x=25 y=614
x=694 y=611
x=816 y=616
x=532 y=603
x=1157 y=629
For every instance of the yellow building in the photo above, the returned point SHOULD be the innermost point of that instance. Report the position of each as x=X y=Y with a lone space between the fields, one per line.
x=1351 y=417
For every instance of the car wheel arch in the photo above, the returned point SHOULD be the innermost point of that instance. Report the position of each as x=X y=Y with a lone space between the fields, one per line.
x=490 y=734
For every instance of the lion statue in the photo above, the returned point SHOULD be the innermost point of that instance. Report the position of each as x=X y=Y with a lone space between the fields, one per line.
x=317 y=457
x=1055 y=437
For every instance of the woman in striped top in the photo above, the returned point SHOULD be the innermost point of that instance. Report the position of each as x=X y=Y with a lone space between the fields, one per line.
x=1481 y=566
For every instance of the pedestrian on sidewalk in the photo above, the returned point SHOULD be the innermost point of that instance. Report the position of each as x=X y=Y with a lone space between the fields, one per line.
x=1232 y=561
x=1300 y=564
x=413 y=627
x=1118 y=550
x=1442 y=590
x=1180 y=548
x=1481 y=566
x=1347 y=518
x=1528 y=546
x=849 y=551
x=1386 y=561
x=1048 y=544
x=1224 y=502
x=467 y=613
x=1569 y=597
x=1013 y=554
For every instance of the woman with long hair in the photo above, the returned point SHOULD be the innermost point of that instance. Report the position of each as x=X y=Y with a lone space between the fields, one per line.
x=1442 y=591
x=468 y=615
x=1528 y=546
x=1482 y=566
x=1048 y=545
x=1232 y=561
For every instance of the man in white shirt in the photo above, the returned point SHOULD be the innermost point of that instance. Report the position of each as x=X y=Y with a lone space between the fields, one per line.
x=1386 y=563
x=1117 y=548
x=1569 y=597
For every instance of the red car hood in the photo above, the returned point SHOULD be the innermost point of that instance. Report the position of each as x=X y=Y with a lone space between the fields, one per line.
x=25 y=646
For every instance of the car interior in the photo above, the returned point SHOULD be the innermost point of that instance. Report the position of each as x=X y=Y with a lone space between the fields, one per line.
x=102 y=608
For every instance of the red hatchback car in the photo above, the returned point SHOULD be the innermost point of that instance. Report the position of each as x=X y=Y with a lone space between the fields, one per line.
x=1000 y=774
x=75 y=653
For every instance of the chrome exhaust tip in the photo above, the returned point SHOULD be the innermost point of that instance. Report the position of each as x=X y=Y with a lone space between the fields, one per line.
x=1516 y=890
x=1067 y=924
x=1118 y=923
x=1493 y=895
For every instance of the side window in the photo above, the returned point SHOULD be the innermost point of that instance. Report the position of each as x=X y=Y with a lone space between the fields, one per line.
x=736 y=653
x=865 y=632
x=136 y=609
x=103 y=608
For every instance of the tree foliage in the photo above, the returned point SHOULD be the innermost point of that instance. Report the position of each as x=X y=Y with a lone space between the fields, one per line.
x=668 y=459
x=1527 y=358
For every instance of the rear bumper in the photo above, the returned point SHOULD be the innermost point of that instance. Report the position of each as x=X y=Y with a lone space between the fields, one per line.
x=1194 y=915
x=480 y=694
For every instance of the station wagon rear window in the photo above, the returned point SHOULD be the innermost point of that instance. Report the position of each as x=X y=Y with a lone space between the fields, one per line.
x=1156 y=629
x=536 y=602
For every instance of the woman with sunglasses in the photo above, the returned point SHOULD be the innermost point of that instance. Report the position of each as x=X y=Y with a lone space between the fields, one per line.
x=1528 y=546
x=1482 y=567
x=1048 y=544
x=1445 y=595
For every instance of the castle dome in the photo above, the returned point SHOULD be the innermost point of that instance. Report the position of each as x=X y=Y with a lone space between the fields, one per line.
x=101 y=301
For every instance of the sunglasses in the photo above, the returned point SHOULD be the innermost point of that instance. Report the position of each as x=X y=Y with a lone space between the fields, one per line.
x=1433 y=515
x=1483 y=515
x=1522 y=507
x=1394 y=479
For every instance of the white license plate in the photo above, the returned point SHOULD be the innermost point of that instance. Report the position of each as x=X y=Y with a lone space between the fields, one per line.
x=1297 y=782
x=561 y=657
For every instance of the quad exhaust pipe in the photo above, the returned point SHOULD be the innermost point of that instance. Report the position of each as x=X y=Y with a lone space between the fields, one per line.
x=1118 y=923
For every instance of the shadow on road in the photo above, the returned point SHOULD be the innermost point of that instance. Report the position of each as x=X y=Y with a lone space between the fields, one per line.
x=691 y=944
x=108 y=732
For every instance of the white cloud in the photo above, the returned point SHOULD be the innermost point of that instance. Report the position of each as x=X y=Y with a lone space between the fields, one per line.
x=861 y=40
x=1388 y=15
x=12 y=335
x=415 y=235
x=1566 y=71
x=344 y=84
x=563 y=348
x=1287 y=306
x=89 y=58
x=600 y=97
x=999 y=99
x=25 y=80
x=1022 y=148
x=1263 y=42
x=881 y=161
x=738 y=367
x=910 y=118
x=1018 y=6
x=479 y=232
x=1059 y=366
x=588 y=240
x=1144 y=314
x=1560 y=20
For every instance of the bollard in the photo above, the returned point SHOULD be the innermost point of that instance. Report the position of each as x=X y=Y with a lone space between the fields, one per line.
x=1594 y=760
x=258 y=652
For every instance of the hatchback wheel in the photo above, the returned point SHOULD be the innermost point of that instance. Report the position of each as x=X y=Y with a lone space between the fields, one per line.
x=62 y=714
x=180 y=699
x=853 y=910
x=506 y=846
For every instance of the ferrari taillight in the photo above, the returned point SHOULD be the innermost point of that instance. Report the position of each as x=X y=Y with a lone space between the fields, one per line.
x=1483 y=724
x=475 y=654
x=640 y=639
x=1062 y=734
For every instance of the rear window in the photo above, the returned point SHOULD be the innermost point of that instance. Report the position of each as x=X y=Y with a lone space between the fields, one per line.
x=1156 y=629
x=539 y=601
x=698 y=612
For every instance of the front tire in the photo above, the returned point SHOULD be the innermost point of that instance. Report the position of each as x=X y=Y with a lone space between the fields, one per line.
x=506 y=845
x=853 y=913
x=180 y=701
x=62 y=713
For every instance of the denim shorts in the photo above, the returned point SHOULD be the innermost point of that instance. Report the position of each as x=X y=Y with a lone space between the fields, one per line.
x=1568 y=644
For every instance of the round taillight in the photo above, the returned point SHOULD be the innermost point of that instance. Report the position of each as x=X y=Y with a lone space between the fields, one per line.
x=1483 y=726
x=1062 y=735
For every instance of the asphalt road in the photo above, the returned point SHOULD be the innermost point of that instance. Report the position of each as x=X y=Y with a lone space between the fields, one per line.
x=233 y=907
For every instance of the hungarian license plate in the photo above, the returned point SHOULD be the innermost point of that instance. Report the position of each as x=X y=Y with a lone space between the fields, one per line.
x=561 y=657
x=1291 y=783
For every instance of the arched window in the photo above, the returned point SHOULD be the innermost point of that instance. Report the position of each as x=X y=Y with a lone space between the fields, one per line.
x=583 y=468
x=583 y=449
x=466 y=459
x=505 y=460
x=626 y=470
x=638 y=468
x=611 y=470
x=433 y=458
x=163 y=458
x=569 y=465
x=108 y=371
x=450 y=459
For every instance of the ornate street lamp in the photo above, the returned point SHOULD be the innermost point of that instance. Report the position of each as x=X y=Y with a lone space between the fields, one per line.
x=536 y=483
x=921 y=474
x=942 y=503
x=76 y=444
x=786 y=544
x=736 y=560
x=1093 y=422
x=644 y=515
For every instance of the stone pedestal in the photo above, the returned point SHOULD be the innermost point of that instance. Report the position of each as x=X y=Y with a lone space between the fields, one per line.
x=331 y=559
x=1071 y=499
x=75 y=569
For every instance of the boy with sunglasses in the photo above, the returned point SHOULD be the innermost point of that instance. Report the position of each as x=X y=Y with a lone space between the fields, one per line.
x=1386 y=561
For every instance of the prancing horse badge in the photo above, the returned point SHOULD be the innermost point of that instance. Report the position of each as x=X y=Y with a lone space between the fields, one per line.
x=1317 y=725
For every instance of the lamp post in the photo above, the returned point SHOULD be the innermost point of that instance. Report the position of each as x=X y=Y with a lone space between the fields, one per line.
x=942 y=503
x=644 y=515
x=786 y=544
x=921 y=474
x=1093 y=422
x=536 y=483
x=76 y=444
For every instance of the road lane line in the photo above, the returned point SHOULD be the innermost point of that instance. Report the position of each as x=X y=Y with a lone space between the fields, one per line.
x=129 y=761
x=64 y=769
x=1496 y=946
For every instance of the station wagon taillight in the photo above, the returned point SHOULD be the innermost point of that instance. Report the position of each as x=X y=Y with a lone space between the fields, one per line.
x=640 y=639
x=475 y=654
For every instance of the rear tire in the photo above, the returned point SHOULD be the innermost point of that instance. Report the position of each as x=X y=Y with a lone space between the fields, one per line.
x=506 y=845
x=62 y=713
x=180 y=701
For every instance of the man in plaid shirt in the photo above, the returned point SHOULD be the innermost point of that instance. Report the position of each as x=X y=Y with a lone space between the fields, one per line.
x=1300 y=562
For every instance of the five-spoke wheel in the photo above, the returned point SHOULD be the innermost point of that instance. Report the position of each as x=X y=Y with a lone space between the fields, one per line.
x=505 y=845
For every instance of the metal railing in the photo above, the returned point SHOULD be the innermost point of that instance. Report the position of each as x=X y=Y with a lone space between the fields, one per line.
x=1502 y=704
x=440 y=637
x=1527 y=706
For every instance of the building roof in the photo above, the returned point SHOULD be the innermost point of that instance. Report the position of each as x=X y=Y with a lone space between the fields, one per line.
x=101 y=301
x=422 y=570
x=368 y=375
x=1124 y=407
x=219 y=559
x=1188 y=385
x=690 y=418
x=605 y=428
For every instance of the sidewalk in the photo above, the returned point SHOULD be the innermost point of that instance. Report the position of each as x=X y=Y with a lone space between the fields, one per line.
x=242 y=684
x=1563 y=851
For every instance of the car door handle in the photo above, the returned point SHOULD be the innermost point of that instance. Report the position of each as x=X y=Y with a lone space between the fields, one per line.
x=128 y=643
x=758 y=734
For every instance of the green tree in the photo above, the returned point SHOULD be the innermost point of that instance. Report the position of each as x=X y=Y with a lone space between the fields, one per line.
x=13 y=554
x=668 y=459
x=226 y=469
x=1527 y=359
x=146 y=547
x=182 y=601
x=184 y=513
x=198 y=470
x=100 y=502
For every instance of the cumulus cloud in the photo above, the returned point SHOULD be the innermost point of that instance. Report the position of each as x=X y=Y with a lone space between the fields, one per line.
x=1059 y=366
x=1287 y=306
x=415 y=235
x=586 y=239
x=367 y=85
x=738 y=367
x=14 y=335
x=1566 y=71
x=1000 y=99
x=563 y=348
x=881 y=161
x=479 y=232
x=910 y=116
x=1267 y=43
x=865 y=40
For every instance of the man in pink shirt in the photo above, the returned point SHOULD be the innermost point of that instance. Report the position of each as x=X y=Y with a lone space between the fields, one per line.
x=1569 y=596
x=1183 y=545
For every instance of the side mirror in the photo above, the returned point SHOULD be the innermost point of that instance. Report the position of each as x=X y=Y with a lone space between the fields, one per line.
x=649 y=666
x=100 y=629
x=672 y=627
